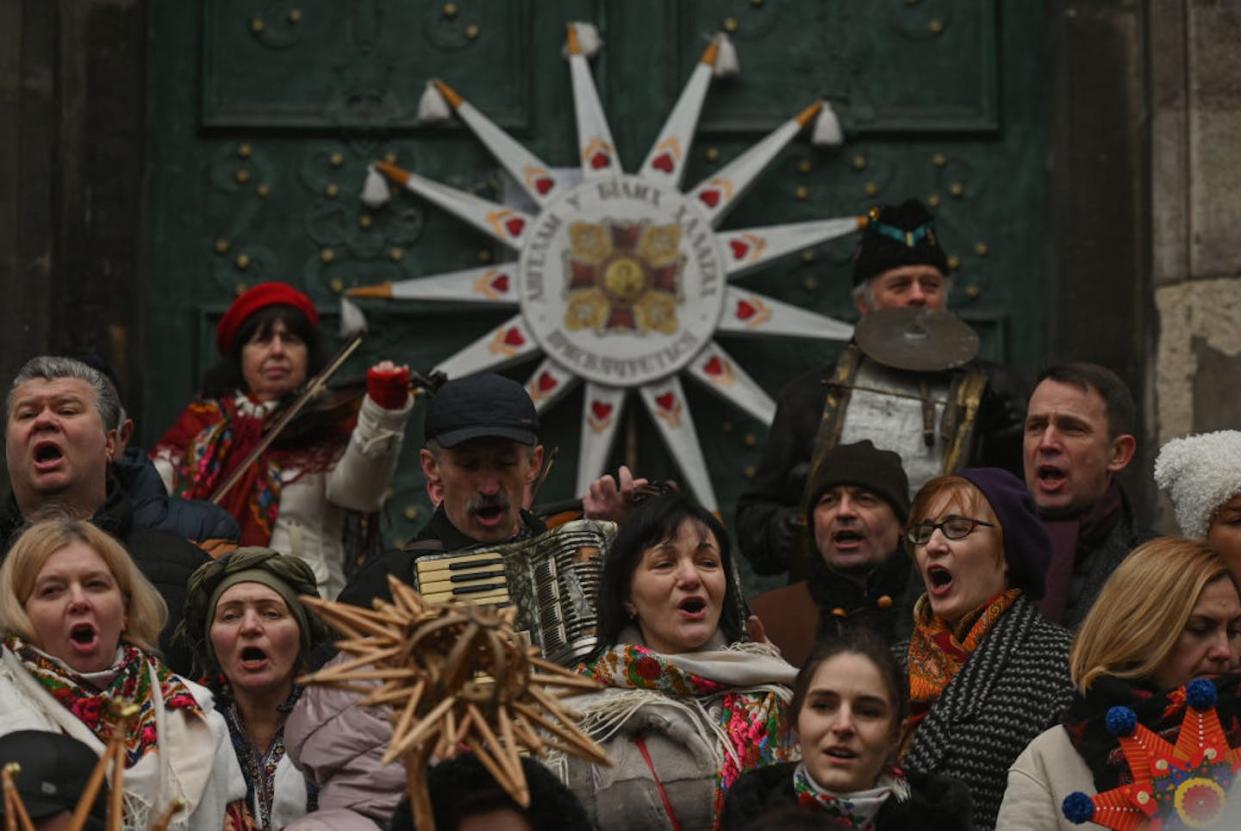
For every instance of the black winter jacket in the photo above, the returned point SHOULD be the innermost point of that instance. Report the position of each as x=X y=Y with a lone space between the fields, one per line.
x=189 y=519
x=935 y=803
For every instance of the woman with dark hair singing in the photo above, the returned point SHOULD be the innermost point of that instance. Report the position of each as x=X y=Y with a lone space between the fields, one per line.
x=689 y=706
x=295 y=496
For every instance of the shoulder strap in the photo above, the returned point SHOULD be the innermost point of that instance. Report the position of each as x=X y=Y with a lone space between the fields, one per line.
x=964 y=399
x=831 y=423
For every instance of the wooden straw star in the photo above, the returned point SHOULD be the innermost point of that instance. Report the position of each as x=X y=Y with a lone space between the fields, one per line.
x=456 y=675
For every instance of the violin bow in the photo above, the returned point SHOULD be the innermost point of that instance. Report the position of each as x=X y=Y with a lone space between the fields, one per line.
x=312 y=389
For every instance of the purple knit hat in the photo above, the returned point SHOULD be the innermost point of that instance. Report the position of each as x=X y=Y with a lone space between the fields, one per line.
x=1027 y=548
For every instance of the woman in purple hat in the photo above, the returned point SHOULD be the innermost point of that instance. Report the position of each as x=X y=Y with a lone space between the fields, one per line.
x=987 y=673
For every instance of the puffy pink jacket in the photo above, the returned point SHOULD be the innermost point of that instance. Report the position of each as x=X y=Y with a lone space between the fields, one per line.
x=338 y=745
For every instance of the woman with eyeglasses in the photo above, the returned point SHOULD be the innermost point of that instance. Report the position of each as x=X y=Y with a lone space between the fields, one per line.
x=987 y=673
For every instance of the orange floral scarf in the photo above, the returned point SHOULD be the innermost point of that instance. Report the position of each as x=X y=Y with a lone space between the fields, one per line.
x=937 y=651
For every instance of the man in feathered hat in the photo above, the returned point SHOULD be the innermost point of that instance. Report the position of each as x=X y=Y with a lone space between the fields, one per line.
x=936 y=421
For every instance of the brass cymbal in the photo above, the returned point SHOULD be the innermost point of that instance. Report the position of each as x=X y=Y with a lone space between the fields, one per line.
x=917 y=339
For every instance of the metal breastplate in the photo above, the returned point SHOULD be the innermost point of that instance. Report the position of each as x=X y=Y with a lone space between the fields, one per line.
x=885 y=406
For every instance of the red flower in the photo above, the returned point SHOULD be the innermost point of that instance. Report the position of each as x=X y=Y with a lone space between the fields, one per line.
x=647 y=668
x=148 y=735
x=88 y=710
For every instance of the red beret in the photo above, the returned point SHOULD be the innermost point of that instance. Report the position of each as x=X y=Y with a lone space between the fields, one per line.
x=260 y=297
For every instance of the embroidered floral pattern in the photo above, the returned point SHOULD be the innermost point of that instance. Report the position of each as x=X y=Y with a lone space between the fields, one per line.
x=132 y=683
x=845 y=812
x=752 y=721
x=259 y=767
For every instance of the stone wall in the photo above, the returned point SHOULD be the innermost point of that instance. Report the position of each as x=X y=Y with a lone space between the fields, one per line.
x=1195 y=113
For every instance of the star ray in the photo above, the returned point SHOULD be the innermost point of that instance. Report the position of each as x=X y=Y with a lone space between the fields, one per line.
x=719 y=194
x=534 y=175
x=549 y=383
x=665 y=401
x=752 y=314
x=594 y=138
x=504 y=224
x=753 y=248
x=716 y=370
x=602 y=408
x=492 y=285
x=665 y=163
x=507 y=344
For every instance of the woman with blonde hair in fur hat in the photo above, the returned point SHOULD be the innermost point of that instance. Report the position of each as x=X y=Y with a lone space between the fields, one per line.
x=1202 y=475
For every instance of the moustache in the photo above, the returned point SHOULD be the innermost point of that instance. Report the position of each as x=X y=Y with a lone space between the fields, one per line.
x=490 y=500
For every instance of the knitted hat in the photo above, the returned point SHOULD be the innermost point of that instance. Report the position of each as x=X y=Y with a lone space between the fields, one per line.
x=1200 y=473
x=1027 y=548
x=260 y=297
x=285 y=575
x=865 y=466
x=897 y=235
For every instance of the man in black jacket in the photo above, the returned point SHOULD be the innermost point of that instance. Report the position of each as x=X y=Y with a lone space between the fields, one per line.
x=977 y=408
x=859 y=505
x=58 y=452
x=1079 y=436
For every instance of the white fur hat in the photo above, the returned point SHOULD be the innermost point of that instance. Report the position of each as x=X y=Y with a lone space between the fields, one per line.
x=1200 y=473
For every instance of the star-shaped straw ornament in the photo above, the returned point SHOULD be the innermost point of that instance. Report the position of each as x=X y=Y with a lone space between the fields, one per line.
x=457 y=675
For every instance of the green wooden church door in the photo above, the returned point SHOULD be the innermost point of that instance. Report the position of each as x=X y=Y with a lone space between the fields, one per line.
x=264 y=115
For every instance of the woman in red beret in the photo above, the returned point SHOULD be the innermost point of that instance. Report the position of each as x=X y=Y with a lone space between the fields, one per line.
x=295 y=497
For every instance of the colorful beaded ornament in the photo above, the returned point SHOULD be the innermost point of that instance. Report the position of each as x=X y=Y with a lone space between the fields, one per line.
x=1174 y=787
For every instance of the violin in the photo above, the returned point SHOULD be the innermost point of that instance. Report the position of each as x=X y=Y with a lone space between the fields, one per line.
x=334 y=406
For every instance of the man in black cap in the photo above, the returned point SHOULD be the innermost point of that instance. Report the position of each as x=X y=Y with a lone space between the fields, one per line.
x=977 y=409
x=53 y=775
x=481 y=456
x=858 y=508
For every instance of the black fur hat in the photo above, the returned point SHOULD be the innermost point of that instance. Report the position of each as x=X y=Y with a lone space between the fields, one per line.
x=898 y=235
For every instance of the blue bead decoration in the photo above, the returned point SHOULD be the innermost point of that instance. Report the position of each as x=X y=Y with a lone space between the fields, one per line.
x=1077 y=807
x=1121 y=721
x=1200 y=694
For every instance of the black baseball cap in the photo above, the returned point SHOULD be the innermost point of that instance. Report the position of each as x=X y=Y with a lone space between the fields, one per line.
x=481 y=406
x=54 y=770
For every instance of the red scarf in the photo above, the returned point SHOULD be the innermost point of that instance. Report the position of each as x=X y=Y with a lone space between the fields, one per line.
x=937 y=651
x=212 y=437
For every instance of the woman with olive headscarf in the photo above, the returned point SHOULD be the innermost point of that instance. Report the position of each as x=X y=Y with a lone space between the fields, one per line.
x=251 y=636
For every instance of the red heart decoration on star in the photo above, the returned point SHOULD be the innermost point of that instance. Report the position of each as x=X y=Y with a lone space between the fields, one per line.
x=710 y=197
x=515 y=225
x=500 y=283
x=740 y=248
x=745 y=310
x=543 y=184
x=547 y=381
x=663 y=162
x=601 y=409
x=514 y=337
x=714 y=366
x=665 y=401
x=600 y=160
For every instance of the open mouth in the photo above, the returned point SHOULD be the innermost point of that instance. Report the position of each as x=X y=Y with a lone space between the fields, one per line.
x=253 y=653
x=939 y=579
x=693 y=605
x=847 y=537
x=489 y=513
x=47 y=452
x=1050 y=475
x=82 y=634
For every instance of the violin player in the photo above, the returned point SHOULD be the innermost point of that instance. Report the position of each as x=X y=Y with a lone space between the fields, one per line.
x=296 y=495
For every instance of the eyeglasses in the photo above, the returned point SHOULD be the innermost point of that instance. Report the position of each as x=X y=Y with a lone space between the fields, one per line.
x=953 y=527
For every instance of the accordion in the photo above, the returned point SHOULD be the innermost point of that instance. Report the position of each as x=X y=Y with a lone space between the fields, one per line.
x=552 y=579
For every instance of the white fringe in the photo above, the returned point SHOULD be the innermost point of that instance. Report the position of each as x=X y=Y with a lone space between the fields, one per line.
x=352 y=320
x=726 y=63
x=827 y=132
x=375 y=193
x=587 y=39
x=432 y=108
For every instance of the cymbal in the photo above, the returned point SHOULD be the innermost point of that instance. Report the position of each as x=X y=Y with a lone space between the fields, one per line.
x=917 y=339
